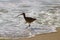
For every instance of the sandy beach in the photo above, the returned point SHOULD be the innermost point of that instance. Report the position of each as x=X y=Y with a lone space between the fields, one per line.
x=48 y=36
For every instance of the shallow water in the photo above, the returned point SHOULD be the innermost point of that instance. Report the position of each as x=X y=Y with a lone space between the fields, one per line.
x=46 y=13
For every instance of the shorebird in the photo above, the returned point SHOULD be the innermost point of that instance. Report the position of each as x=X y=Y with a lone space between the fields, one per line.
x=28 y=20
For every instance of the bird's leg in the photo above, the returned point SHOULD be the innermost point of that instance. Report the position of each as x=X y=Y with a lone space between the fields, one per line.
x=28 y=26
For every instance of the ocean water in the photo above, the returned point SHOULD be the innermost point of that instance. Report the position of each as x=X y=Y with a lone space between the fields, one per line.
x=46 y=12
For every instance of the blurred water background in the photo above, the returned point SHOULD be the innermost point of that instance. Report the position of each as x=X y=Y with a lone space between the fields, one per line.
x=47 y=13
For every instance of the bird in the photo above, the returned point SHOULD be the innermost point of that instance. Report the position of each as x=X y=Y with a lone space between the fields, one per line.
x=28 y=20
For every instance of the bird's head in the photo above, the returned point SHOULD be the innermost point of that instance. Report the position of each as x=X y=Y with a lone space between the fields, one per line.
x=22 y=14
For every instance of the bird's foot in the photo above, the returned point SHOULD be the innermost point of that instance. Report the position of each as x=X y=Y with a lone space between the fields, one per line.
x=28 y=27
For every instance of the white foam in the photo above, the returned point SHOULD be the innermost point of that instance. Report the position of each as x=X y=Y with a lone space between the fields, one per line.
x=11 y=26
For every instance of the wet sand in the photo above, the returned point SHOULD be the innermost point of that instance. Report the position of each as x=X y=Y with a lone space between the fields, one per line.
x=47 y=36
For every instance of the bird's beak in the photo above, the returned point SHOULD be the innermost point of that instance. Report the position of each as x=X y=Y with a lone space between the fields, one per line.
x=18 y=15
